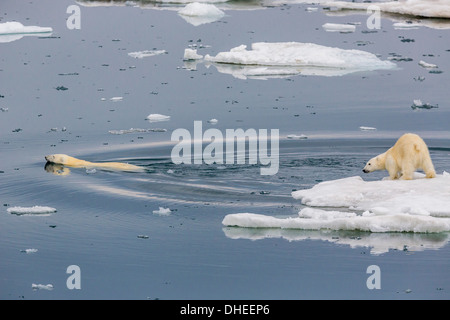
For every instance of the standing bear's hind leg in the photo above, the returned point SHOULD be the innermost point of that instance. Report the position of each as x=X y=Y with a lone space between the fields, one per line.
x=428 y=168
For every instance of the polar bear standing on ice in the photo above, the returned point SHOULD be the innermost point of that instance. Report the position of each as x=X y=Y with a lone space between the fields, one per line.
x=407 y=155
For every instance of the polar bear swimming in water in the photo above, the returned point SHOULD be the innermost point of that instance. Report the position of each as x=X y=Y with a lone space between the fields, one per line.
x=409 y=154
x=63 y=159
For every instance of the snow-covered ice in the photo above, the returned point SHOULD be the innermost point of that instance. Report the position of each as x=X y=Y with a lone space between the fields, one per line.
x=338 y=27
x=419 y=205
x=36 y=210
x=289 y=58
x=420 y=8
x=156 y=117
x=146 y=53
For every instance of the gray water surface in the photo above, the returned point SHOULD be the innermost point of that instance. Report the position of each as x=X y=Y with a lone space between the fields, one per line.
x=105 y=222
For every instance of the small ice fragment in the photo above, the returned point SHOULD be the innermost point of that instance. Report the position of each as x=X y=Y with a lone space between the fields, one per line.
x=103 y=99
x=42 y=286
x=162 y=211
x=337 y=27
x=418 y=104
x=367 y=128
x=146 y=53
x=4 y=109
x=406 y=25
x=297 y=137
x=213 y=121
x=191 y=54
x=115 y=99
x=143 y=236
x=28 y=251
x=155 y=117
x=196 y=9
x=13 y=27
x=30 y=210
x=312 y=9
x=427 y=65
x=170 y=171
x=91 y=171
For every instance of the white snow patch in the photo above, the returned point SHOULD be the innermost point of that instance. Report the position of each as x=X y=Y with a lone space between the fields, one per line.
x=38 y=210
x=421 y=8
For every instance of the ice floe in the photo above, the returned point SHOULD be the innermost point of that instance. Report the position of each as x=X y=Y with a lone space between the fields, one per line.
x=278 y=59
x=146 y=53
x=420 y=205
x=42 y=286
x=191 y=54
x=11 y=31
x=197 y=13
x=156 y=117
x=420 y=8
x=162 y=211
x=338 y=27
x=427 y=65
x=363 y=128
x=36 y=210
x=136 y=130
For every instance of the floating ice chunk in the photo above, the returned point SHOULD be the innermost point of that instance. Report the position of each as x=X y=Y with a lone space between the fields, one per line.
x=137 y=130
x=367 y=128
x=427 y=65
x=28 y=251
x=421 y=8
x=146 y=53
x=156 y=117
x=36 y=210
x=213 y=121
x=191 y=54
x=14 y=27
x=162 y=211
x=116 y=99
x=297 y=137
x=197 y=9
x=42 y=287
x=420 y=205
x=304 y=55
x=337 y=27
x=418 y=104
x=197 y=13
x=406 y=25
x=397 y=196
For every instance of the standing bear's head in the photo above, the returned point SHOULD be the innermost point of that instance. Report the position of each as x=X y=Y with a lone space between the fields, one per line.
x=374 y=164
